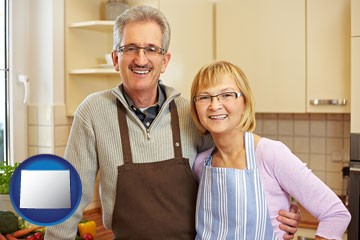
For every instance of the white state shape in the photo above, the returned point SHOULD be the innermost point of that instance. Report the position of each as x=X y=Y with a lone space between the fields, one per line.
x=42 y=189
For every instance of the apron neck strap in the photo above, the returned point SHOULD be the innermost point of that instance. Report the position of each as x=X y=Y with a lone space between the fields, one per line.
x=250 y=150
x=124 y=131
x=175 y=130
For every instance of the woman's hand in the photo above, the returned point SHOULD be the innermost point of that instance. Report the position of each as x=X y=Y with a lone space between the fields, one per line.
x=289 y=221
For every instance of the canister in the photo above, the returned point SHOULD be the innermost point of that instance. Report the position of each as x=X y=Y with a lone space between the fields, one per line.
x=114 y=8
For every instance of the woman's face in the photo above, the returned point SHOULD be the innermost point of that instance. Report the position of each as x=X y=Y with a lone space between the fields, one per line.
x=222 y=114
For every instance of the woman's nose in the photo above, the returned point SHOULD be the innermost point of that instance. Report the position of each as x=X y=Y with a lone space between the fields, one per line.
x=215 y=102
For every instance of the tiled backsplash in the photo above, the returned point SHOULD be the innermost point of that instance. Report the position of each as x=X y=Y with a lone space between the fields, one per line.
x=48 y=132
x=48 y=129
x=320 y=140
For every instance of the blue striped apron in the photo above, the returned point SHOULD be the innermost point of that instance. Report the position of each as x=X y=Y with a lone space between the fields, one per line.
x=231 y=202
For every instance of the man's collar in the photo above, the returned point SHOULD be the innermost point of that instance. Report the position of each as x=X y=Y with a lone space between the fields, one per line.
x=160 y=100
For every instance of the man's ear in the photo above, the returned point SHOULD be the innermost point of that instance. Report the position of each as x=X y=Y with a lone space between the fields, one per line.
x=166 y=60
x=115 y=59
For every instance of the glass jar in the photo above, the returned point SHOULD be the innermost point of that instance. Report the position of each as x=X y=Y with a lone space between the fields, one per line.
x=114 y=8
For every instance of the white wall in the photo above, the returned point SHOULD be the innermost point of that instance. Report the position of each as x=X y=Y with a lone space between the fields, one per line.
x=46 y=51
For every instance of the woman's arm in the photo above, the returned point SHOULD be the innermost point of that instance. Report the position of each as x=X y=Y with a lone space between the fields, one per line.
x=316 y=197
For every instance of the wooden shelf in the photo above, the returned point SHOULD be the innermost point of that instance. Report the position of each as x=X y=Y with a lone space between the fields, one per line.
x=88 y=37
x=93 y=71
x=96 y=25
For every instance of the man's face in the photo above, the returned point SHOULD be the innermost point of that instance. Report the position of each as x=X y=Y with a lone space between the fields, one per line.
x=138 y=70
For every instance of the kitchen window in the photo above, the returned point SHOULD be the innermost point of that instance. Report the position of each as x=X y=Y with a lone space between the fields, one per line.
x=4 y=74
x=14 y=28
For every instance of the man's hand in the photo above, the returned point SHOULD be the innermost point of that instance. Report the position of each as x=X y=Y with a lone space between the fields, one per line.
x=289 y=221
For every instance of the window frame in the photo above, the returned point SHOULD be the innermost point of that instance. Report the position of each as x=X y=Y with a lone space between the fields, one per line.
x=18 y=16
x=6 y=75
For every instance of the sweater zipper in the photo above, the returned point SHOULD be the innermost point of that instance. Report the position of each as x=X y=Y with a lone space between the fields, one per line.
x=167 y=101
x=148 y=134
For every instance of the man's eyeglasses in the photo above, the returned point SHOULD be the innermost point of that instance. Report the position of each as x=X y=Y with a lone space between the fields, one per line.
x=222 y=97
x=134 y=50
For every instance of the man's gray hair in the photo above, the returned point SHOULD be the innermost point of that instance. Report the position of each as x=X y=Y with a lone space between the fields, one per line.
x=142 y=13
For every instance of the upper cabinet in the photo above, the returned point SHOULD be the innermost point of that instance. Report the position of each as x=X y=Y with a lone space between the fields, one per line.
x=328 y=55
x=355 y=63
x=293 y=52
x=355 y=84
x=355 y=18
x=192 y=40
x=266 y=39
x=296 y=54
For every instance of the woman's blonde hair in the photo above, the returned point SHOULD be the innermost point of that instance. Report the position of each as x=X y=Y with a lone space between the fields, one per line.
x=210 y=76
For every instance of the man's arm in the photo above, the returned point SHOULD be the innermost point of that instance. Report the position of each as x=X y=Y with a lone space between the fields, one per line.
x=289 y=221
x=81 y=153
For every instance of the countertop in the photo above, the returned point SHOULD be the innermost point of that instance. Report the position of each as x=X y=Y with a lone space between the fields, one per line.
x=308 y=220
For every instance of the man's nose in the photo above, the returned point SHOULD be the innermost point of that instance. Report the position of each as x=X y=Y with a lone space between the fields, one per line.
x=141 y=57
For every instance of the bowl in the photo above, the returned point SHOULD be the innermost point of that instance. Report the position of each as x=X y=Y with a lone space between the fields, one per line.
x=108 y=59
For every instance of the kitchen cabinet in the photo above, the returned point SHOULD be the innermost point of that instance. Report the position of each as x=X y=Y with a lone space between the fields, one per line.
x=291 y=51
x=192 y=40
x=266 y=39
x=355 y=18
x=88 y=37
x=355 y=84
x=328 y=54
x=355 y=63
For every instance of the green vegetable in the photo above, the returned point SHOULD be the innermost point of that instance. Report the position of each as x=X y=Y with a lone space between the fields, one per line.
x=23 y=224
x=77 y=237
x=8 y=222
x=6 y=171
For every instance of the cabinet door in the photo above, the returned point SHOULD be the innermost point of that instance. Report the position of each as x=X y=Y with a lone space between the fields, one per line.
x=267 y=40
x=328 y=53
x=192 y=40
x=355 y=84
x=355 y=18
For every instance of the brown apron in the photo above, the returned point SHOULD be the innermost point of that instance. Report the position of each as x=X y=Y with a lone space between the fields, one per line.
x=154 y=200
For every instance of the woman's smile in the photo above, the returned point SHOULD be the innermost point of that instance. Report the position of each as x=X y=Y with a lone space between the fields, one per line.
x=218 y=117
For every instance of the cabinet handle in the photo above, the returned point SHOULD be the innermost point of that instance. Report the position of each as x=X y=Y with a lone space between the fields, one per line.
x=337 y=102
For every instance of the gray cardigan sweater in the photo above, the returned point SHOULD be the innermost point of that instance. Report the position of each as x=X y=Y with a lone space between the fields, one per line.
x=94 y=146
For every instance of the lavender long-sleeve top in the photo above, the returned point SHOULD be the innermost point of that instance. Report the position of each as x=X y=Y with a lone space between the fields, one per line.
x=283 y=175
